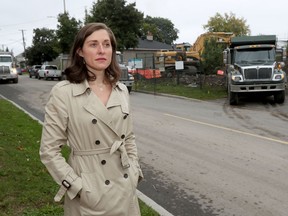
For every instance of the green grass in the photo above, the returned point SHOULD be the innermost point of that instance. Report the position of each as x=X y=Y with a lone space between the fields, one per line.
x=25 y=185
x=204 y=93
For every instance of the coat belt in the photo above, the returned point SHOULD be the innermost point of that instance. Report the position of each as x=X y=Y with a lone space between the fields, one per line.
x=117 y=145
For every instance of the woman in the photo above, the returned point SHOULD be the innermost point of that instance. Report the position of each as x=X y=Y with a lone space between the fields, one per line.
x=90 y=113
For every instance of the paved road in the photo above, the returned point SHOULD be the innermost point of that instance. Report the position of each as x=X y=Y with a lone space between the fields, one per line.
x=201 y=158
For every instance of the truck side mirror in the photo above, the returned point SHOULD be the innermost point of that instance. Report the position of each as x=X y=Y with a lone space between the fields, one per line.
x=284 y=54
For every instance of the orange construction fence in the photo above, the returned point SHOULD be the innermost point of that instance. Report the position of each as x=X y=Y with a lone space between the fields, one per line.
x=146 y=73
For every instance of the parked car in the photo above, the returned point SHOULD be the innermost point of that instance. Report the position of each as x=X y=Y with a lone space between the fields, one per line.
x=34 y=71
x=49 y=71
x=19 y=71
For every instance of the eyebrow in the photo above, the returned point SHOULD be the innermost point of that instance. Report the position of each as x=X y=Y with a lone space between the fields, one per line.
x=107 y=40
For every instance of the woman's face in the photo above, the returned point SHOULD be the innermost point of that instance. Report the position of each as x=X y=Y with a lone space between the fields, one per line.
x=97 y=51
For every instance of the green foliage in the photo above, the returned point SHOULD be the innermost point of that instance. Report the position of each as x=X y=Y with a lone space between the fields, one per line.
x=212 y=56
x=124 y=20
x=26 y=187
x=66 y=32
x=162 y=29
x=227 y=23
x=146 y=210
x=205 y=92
x=44 y=46
x=24 y=181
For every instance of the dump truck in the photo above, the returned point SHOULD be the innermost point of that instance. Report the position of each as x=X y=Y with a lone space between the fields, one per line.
x=254 y=64
x=8 y=69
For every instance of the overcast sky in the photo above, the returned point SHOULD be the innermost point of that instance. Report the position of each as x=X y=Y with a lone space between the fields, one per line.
x=188 y=16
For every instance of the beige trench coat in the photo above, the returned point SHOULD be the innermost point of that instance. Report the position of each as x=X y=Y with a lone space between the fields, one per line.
x=101 y=175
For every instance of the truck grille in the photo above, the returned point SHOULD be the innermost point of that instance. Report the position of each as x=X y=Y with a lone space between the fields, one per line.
x=257 y=73
x=124 y=73
x=4 y=70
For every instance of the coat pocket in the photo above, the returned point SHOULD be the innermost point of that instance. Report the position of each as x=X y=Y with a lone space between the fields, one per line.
x=93 y=189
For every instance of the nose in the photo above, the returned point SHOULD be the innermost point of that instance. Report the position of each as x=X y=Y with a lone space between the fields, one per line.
x=100 y=48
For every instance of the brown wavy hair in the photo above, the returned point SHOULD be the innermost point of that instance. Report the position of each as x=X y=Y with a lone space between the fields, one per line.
x=77 y=71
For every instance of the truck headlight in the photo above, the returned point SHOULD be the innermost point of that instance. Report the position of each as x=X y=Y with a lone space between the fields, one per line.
x=130 y=76
x=13 y=70
x=278 y=76
x=237 y=78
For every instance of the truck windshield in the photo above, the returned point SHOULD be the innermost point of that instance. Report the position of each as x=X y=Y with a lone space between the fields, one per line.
x=254 y=55
x=5 y=59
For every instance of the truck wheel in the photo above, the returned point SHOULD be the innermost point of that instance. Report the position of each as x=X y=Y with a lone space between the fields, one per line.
x=279 y=97
x=233 y=97
x=15 y=80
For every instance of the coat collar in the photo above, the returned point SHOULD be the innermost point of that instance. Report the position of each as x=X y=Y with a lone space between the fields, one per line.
x=81 y=88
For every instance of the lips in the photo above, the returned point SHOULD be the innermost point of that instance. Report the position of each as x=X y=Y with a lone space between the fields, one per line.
x=101 y=59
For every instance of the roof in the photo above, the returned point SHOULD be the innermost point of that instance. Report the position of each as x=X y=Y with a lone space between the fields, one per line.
x=144 y=44
x=249 y=40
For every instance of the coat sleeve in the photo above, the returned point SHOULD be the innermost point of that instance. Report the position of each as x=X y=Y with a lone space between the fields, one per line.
x=54 y=136
x=130 y=142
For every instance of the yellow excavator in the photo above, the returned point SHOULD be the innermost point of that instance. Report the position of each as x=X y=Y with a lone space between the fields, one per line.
x=196 y=50
x=191 y=55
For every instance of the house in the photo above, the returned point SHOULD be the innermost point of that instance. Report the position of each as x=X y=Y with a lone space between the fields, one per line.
x=20 y=59
x=145 y=50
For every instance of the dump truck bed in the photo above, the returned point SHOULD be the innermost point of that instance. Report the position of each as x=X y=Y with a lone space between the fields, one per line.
x=253 y=40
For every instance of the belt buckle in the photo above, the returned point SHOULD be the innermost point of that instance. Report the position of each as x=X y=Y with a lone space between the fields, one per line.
x=66 y=184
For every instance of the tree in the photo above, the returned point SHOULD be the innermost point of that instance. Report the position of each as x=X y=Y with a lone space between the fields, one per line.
x=212 y=57
x=66 y=32
x=227 y=23
x=124 y=20
x=162 y=29
x=44 y=46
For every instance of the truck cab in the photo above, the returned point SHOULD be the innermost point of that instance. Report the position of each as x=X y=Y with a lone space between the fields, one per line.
x=255 y=64
x=126 y=78
x=8 y=69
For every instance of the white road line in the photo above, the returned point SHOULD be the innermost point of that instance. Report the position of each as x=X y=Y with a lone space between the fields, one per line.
x=227 y=129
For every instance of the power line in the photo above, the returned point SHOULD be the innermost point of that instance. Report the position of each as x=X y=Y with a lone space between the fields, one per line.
x=23 y=23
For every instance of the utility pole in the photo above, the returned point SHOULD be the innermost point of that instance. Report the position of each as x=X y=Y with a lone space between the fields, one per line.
x=64 y=6
x=23 y=38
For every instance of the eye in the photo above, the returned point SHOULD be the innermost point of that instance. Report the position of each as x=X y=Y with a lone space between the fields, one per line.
x=93 y=44
x=107 y=45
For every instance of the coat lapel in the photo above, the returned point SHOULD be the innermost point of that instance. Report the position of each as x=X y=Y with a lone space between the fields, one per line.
x=94 y=106
x=117 y=98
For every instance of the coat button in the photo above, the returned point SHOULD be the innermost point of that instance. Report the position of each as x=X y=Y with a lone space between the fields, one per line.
x=103 y=162
x=125 y=175
x=125 y=116
x=107 y=182
x=122 y=136
x=94 y=121
x=97 y=142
